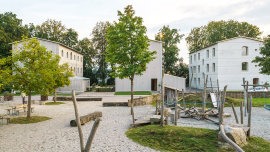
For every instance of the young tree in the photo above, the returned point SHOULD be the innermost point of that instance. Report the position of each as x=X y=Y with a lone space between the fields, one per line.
x=100 y=43
x=62 y=73
x=171 y=38
x=264 y=60
x=11 y=29
x=30 y=68
x=127 y=47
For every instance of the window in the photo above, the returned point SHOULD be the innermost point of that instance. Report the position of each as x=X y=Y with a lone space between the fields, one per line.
x=74 y=57
x=194 y=69
x=78 y=70
x=244 y=66
x=78 y=58
x=191 y=70
x=67 y=54
x=214 y=67
x=194 y=57
x=199 y=81
x=81 y=70
x=81 y=59
x=199 y=56
x=244 y=51
x=207 y=53
x=70 y=55
x=190 y=59
x=256 y=50
x=256 y=65
x=62 y=53
x=214 y=52
x=199 y=69
x=207 y=68
x=202 y=61
x=195 y=80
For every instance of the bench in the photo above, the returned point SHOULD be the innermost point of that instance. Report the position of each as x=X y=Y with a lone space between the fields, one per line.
x=8 y=119
x=8 y=111
x=17 y=111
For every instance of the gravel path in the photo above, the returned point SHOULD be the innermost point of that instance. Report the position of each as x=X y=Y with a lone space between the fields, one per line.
x=57 y=135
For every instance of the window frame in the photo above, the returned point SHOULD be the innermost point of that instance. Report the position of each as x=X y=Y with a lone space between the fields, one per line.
x=246 y=66
x=246 y=51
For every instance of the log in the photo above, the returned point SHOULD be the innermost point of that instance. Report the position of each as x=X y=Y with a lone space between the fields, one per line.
x=235 y=115
x=86 y=118
x=115 y=104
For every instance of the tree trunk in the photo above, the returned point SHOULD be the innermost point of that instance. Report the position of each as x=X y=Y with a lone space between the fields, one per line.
x=29 y=105
x=55 y=95
x=132 y=111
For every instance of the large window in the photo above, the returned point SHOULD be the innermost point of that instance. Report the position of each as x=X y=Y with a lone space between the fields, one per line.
x=199 y=81
x=207 y=53
x=67 y=54
x=214 y=67
x=244 y=66
x=244 y=51
x=194 y=69
x=207 y=67
x=74 y=57
x=78 y=58
x=62 y=53
x=214 y=52
x=202 y=61
x=191 y=59
x=70 y=55
x=199 y=68
x=194 y=57
x=199 y=56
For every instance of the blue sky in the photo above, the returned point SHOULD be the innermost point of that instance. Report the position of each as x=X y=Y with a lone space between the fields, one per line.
x=82 y=15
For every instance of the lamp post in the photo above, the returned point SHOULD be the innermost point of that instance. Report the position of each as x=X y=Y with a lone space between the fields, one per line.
x=162 y=84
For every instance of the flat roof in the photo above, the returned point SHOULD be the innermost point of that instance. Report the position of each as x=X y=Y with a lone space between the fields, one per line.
x=52 y=42
x=227 y=40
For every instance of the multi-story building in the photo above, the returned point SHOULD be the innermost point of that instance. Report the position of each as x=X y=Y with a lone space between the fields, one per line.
x=228 y=61
x=73 y=58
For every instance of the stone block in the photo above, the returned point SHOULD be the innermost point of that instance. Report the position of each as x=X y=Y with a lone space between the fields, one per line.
x=237 y=135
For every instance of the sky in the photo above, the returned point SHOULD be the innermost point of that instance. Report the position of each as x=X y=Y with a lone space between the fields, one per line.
x=82 y=15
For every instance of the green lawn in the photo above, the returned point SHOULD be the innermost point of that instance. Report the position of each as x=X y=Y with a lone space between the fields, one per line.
x=134 y=93
x=25 y=120
x=54 y=103
x=172 y=138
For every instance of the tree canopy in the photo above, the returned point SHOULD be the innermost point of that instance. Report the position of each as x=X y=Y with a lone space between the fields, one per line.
x=214 y=31
x=171 y=38
x=264 y=60
x=32 y=68
x=11 y=29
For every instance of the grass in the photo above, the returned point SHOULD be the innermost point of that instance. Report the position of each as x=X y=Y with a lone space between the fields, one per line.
x=256 y=102
x=54 y=103
x=171 y=138
x=134 y=93
x=25 y=120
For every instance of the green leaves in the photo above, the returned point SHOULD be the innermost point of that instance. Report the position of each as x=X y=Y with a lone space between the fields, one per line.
x=127 y=45
x=171 y=38
x=214 y=31
x=264 y=60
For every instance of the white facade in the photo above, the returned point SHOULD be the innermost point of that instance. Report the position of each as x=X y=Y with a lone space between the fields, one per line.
x=228 y=61
x=70 y=56
x=151 y=78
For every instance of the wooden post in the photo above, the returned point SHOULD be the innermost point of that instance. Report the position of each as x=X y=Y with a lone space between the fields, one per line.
x=235 y=115
x=217 y=85
x=195 y=99
x=211 y=85
x=77 y=120
x=156 y=107
x=172 y=118
x=245 y=95
x=241 y=112
x=204 y=99
x=176 y=107
x=162 y=101
x=179 y=113
x=190 y=82
x=249 y=116
x=183 y=94
x=247 y=98
x=222 y=105
x=92 y=135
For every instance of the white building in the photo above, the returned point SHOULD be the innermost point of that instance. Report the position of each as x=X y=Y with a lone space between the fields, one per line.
x=228 y=61
x=151 y=78
x=70 y=56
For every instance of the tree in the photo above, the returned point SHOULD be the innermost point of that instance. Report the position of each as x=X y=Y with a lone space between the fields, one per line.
x=214 y=31
x=61 y=73
x=11 y=29
x=182 y=70
x=30 y=68
x=100 y=43
x=127 y=47
x=51 y=30
x=171 y=38
x=70 y=38
x=264 y=60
